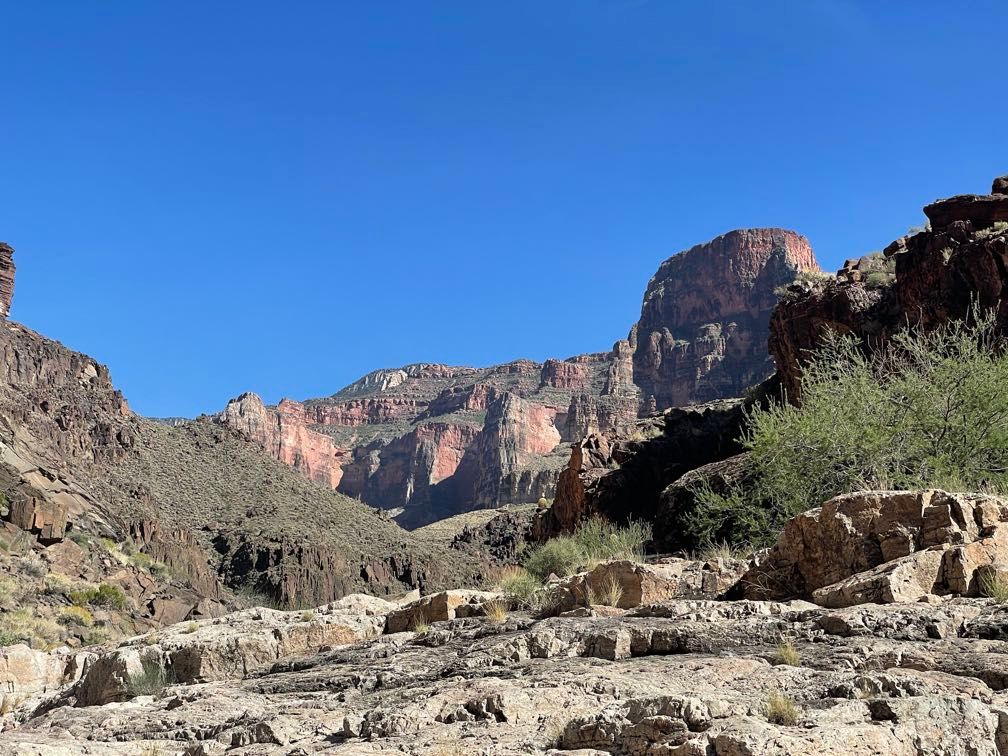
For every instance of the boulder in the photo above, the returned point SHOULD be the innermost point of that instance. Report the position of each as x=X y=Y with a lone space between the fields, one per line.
x=437 y=607
x=1000 y=185
x=631 y=584
x=26 y=672
x=981 y=210
x=884 y=546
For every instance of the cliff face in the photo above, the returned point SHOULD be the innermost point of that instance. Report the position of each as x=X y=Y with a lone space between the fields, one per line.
x=702 y=331
x=926 y=278
x=436 y=439
x=6 y=278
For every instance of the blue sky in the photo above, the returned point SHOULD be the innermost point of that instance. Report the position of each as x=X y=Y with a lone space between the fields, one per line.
x=219 y=197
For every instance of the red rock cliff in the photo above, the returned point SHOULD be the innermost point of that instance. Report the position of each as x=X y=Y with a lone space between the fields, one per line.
x=703 y=325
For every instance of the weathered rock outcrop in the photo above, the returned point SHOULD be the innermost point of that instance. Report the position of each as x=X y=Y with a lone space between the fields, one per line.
x=678 y=676
x=623 y=478
x=6 y=278
x=885 y=547
x=937 y=275
x=702 y=331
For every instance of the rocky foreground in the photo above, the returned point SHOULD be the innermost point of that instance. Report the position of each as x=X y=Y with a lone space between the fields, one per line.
x=671 y=668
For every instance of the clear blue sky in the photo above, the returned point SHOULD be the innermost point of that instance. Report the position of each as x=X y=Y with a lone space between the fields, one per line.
x=218 y=197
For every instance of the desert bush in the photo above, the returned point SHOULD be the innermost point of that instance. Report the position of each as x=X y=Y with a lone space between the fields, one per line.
x=21 y=626
x=79 y=537
x=58 y=584
x=75 y=615
x=559 y=556
x=32 y=566
x=105 y=595
x=781 y=710
x=594 y=541
x=140 y=560
x=927 y=410
x=151 y=681
x=9 y=592
x=522 y=589
x=96 y=636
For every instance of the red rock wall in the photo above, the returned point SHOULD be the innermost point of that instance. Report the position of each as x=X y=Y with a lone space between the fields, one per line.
x=703 y=325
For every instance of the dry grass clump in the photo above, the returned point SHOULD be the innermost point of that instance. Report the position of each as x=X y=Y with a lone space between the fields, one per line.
x=994 y=585
x=787 y=654
x=522 y=589
x=611 y=592
x=420 y=625
x=781 y=710
x=21 y=626
x=496 y=611
x=75 y=616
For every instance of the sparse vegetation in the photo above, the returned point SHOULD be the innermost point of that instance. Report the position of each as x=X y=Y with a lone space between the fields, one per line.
x=999 y=227
x=104 y=595
x=420 y=625
x=151 y=681
x=781 y=710
x=928 y=410
x=594 y=541
x=76 y=615
x=787 y=654
x=611 y=592
x=190 y=628
x=522 y=589
x=21 y=626
x=994 y=584
x=496 y=611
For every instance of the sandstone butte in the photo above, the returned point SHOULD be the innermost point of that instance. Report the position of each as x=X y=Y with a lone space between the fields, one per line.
x=434 y=440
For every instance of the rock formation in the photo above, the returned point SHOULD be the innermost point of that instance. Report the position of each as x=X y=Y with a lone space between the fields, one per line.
x=702 y=330
x=936 y=275
x=434 y=439
x=926 y=278
x=667 y=666
x=6 y=278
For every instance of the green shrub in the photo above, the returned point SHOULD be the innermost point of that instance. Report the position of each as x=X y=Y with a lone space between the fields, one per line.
x=110 y=596
x=151 y=681
x=594 y=541
x=928 y=410
x=522 y=589
x=994 y=585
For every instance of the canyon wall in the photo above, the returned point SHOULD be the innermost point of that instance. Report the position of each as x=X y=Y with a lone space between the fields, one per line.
x=434 y=440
